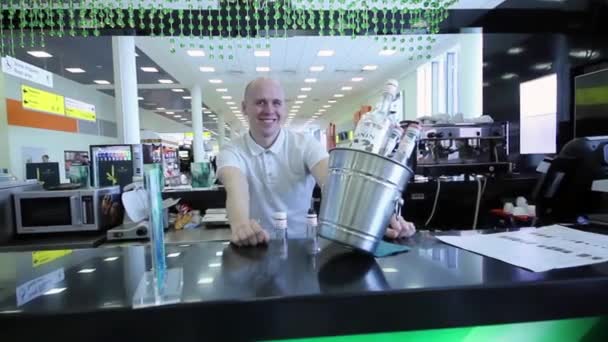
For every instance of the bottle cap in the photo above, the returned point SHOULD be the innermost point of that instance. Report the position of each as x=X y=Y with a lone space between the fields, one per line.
x=392 y=87
x=279 y=215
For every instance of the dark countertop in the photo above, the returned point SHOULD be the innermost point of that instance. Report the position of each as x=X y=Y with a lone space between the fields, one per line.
x=227 y=293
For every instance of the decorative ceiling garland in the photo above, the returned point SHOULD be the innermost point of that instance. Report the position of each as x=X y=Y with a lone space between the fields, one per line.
x=406 y=26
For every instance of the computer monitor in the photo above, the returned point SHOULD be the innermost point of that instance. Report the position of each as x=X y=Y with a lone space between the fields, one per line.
x=47 y=173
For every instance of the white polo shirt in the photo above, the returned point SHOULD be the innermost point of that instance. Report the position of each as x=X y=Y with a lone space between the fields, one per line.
x=279 y=177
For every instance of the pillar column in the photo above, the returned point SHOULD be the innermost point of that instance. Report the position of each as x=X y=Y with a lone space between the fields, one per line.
x=4 y=140
x=196 y=102
x=221 y=129
x=125 y=87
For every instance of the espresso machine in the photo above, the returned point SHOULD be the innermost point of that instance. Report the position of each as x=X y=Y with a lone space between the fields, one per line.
x=456 y=149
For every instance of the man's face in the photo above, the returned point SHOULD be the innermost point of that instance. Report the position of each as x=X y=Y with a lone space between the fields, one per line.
x=264 y=106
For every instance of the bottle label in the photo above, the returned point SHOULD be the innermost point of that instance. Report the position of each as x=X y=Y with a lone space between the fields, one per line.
x=369 y=136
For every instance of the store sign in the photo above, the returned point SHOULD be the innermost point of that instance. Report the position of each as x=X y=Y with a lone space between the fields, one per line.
x=206 y=134
x=41 y=100
x=80 y=110
x=27 y=71
x=44 y=257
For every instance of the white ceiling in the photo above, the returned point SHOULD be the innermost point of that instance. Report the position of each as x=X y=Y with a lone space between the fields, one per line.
x=290 y=61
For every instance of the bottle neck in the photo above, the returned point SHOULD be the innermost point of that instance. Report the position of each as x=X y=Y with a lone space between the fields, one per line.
x=385 y=105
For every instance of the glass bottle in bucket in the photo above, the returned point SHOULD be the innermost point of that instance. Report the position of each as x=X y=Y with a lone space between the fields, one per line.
x=372 y=131
x=408 y=144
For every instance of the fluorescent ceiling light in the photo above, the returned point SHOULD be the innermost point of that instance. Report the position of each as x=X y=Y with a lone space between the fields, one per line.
x=173 y=255
x=140 y=98
x=75 y=70
x=40 y=54
x=542 y=66
x=370 y=67
x=207 y=111
x=160 y=108
x=101 y=82
x=357 y=79
x=205 y=281
x=262 y=69
x=325 y=53
x=214 y=265
x=169 y=113
x=299 y=102
x=322 y=110
x=226 y=97
x=347 y=88
x=262 y=53
x=509 y=76
x=220 y=253
x=234 y=107
x=338 y=95
x=332 y=101
x=316 y=68
x=149 y=69
x=215 y=81
x=55 y=291
x=387 y=52
x=207 y=69
x=327 y=106
x=165 y=81
x=310 y=80
x=187 y=97
x=111 y=259
x=177 y=90
x=196 y=53
x=515 y=50
x=183 y=119
x=87 y=270
x=221 y=90
x=306 y=89
x=302 y=96
x=175 y=116
x=295 y=107
x=389 y=270
x=229 y=103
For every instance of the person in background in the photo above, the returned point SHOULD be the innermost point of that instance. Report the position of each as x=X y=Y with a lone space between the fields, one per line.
x=272 y=169
x=45 y=158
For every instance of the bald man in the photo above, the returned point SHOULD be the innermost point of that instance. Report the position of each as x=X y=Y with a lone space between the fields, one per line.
x=272 y=169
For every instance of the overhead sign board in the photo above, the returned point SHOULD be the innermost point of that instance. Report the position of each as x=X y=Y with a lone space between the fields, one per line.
x=17 y=68
x=42 y=101
x=80 y=110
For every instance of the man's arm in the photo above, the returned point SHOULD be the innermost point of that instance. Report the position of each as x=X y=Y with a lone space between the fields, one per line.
x=320 y=172
x=244 y=231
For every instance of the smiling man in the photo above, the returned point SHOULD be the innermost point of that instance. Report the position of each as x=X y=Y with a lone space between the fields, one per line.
x=271 y=169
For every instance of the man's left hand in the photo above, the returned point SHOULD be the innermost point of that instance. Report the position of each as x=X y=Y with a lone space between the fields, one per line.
x=400 y=228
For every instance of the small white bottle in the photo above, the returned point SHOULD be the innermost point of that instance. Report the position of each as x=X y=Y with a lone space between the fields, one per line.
x=279 y=234
x=373 y=129
x=312 y=235
x=407 y=144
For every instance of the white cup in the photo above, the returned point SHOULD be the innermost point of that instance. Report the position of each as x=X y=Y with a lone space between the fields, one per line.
x=508 y=208
x=521 y=201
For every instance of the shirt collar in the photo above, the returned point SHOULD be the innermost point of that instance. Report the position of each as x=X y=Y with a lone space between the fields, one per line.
x=256 y=149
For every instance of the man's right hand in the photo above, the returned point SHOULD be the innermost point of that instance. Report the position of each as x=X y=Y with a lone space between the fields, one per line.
x=248 y=234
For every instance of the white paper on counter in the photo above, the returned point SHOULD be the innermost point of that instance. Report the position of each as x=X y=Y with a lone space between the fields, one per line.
x=538 y=250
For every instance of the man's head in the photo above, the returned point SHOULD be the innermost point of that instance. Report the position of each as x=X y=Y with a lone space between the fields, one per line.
x=45 y=158
x=264 y=105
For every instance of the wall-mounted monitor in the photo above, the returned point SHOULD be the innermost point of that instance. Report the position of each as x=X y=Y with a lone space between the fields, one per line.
x=591 y=104
x=538 y=115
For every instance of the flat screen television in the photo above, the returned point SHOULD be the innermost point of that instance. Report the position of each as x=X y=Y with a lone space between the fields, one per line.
x=591 y=104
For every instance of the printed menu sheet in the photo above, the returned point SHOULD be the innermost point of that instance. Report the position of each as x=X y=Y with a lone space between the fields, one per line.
x=538 y=250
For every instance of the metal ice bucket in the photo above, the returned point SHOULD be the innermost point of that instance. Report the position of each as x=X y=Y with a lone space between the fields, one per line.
x=363 y=190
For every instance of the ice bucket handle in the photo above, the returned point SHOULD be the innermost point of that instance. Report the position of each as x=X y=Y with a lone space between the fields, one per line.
x=398 y=205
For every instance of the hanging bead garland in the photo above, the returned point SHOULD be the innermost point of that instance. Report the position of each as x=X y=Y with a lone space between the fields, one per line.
x=234 y=23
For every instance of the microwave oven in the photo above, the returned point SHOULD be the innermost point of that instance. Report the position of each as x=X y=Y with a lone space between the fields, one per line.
x=93 y=209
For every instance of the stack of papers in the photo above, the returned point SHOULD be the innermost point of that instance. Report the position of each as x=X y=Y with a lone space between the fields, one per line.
x=538 y=250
